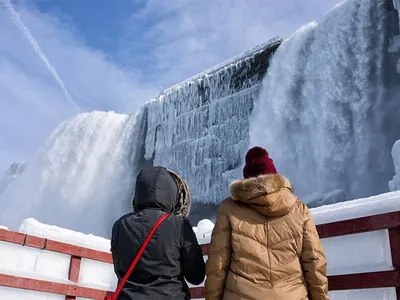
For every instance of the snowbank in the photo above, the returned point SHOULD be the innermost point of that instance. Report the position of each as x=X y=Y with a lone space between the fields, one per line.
x=357 y=208
x=33 y=227
x=365 y=252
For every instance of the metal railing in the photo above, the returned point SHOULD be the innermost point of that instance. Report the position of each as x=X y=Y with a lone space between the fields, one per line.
x=390 y=278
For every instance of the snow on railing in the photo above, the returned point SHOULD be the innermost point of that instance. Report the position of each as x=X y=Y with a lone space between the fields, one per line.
x=363 y=280
x=216 y=68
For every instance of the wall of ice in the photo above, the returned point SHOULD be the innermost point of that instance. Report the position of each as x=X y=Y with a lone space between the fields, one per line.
x=328 y=111
x=201 y=127
x=84 y=175
x=366 y=252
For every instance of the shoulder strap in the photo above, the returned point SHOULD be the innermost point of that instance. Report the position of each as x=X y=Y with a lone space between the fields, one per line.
x=137 y=257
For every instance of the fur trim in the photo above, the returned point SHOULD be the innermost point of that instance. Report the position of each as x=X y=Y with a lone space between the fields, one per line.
x=184 y=199
x=251 y=188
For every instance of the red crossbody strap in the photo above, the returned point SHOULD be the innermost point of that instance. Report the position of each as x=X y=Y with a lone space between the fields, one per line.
x=138 y=255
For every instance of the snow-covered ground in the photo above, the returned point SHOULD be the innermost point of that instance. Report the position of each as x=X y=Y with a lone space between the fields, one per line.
x=365 y=252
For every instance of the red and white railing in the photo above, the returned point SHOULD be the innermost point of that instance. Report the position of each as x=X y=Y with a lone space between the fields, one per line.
x=380 y=279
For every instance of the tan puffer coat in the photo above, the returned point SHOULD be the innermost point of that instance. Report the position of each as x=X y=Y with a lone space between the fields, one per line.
x=265 y=245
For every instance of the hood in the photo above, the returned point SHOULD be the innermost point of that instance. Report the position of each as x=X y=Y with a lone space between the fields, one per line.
x=272 y=194
x=157 y=187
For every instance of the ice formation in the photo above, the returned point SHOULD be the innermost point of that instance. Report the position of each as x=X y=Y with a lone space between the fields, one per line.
x=327 y=114
x=394 y=184
x=200 y=128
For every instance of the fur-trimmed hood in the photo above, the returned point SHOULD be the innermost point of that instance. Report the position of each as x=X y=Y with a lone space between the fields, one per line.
x=184 y=203
x=271 y=195
x=159 y=187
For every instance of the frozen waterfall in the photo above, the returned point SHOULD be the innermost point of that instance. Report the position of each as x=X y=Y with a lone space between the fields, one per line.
x=324 y=103
x=325 y=113
x=83 y=177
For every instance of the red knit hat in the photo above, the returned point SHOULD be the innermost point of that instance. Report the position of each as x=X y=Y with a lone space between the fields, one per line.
x=258 y=163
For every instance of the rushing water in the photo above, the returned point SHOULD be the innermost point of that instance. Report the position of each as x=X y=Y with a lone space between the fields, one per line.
x=324 y=114
x=83 y=177
x=327 y=111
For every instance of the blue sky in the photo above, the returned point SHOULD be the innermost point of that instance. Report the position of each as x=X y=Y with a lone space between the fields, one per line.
x=117 y=54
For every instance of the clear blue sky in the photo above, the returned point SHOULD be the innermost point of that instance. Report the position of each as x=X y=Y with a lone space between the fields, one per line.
x=117 y=54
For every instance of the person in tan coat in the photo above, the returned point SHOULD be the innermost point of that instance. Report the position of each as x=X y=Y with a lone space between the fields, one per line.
x=264 y=244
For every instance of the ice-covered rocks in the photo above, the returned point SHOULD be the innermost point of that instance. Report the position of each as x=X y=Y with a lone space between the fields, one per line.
x=394 y=184
x=318 y=199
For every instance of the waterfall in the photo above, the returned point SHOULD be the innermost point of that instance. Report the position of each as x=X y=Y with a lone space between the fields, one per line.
x=324 y=113
x=83 y=177
x=327 y=110
x=201 y=127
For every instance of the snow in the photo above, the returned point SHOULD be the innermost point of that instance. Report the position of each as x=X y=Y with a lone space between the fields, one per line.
x=354 y=258
x=358 y=208
x=33 y=263
x=394 y=184
x=203 y=231
x=12 y=294
x=314 y=116
x=364 y=252
x=33 y=227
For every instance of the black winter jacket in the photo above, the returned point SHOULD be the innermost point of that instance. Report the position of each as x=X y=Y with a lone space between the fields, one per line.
x=172 y=255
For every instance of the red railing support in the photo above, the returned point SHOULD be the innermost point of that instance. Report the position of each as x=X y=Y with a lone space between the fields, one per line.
x=394 y=237
x=390 y=278
x=74 y=270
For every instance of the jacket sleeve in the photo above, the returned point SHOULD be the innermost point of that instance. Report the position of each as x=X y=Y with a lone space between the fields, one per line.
x=313 y=261
x=219 y=255
x=114 y=245
x=114 y=236
x=192 y=256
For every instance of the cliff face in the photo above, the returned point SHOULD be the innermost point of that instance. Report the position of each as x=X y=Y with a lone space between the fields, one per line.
x=200 y=128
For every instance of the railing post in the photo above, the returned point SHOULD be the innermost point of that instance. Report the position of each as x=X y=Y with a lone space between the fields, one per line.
x=394 y=236
x=74 y=270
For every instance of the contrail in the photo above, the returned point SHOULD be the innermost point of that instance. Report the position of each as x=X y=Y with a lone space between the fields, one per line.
x=25 y=31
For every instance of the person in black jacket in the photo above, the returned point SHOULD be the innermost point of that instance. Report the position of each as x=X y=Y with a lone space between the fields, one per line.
x=173 y=254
